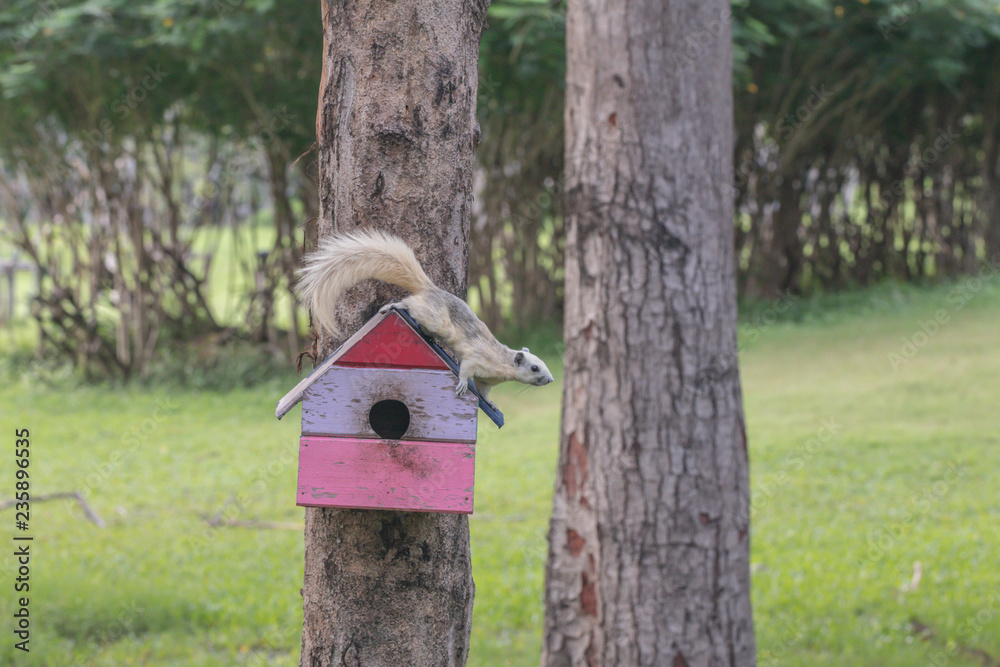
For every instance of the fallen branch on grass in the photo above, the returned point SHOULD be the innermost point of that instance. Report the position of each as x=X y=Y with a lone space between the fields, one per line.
x=929 y=634
x=263 y=525
x=91 y=514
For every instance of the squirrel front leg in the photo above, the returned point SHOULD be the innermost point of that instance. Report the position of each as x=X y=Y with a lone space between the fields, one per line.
x=464 y=373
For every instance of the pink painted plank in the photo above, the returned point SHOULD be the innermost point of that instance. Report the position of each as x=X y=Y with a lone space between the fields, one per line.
x=392 y=344
x=386 y=474
x=338 y=404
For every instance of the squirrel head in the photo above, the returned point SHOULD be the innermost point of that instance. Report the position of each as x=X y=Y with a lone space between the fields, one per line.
x=529 y=369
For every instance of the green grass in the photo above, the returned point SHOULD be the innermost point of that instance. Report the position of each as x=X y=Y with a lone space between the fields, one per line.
x=858 y=473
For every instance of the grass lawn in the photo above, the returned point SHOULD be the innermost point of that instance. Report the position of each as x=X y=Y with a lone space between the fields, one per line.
x=862 y=474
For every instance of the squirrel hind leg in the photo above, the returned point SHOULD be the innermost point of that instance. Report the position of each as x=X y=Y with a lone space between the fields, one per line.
x=403 y=304
x=484 y=390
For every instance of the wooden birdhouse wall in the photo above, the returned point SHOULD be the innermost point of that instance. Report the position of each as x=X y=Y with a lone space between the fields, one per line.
x=383 y=429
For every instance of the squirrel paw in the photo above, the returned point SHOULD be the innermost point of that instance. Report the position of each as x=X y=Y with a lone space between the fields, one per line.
x=463 y=386
x=386 y=308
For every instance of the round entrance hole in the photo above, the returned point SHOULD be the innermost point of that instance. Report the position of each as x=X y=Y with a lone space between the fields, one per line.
x=389 y=419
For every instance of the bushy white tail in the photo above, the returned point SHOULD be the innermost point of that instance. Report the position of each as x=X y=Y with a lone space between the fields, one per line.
x=343 y=261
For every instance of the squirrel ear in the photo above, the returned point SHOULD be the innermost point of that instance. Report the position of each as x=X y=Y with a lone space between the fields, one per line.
x=519 y=358
x=524 y=349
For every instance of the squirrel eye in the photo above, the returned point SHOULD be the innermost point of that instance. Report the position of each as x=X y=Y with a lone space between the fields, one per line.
x=534 y=369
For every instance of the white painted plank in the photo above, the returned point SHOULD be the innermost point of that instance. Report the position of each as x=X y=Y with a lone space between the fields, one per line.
x=338 y=403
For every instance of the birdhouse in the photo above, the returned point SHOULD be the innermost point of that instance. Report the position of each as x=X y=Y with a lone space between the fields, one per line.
x=382 y=427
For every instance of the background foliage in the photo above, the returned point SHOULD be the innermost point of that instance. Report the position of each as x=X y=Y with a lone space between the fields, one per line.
x=149 y=148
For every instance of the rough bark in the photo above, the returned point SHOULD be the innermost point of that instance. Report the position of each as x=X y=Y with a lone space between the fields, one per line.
x=396 y=130
x=649 y=538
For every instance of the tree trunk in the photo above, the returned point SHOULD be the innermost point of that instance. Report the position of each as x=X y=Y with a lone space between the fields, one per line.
x=649 y=539
x=396 y=129
x=990 y=192
x=787 y=256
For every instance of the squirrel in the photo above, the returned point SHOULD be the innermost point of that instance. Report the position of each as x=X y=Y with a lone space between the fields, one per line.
x=342 y=261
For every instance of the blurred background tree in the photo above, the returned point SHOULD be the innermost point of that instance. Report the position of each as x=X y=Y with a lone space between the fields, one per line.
x=866 y=142
x=135 y=131
x=157 y=174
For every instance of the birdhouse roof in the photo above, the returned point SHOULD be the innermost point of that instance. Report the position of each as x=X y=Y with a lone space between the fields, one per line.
x=392 y=338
